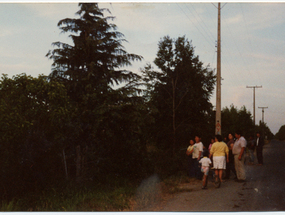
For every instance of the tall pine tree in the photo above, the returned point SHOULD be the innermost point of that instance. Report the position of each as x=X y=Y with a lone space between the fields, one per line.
x=89 y=68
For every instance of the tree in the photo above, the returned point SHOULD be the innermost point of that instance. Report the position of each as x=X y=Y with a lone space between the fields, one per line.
x=33 y=112
x=89 y=68
x=280 y=135
x=234 y=120
x=265 y=130
x=178 y=94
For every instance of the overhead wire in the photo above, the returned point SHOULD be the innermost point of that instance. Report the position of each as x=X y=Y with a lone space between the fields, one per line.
x=209 y=41
x=209 y=38
x=234 y=70
x=202 y=21
x=209 y=12
x=248 y=37
x=228 y=66
x=244 y=62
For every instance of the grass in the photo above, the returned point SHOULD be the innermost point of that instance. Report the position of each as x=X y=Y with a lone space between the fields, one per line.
x=110 y=196
x=173 y=183
x=71 y=198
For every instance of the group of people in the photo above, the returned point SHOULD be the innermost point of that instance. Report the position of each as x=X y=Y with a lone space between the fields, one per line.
x=228 y=156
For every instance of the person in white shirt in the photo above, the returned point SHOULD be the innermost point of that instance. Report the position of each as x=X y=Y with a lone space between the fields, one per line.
x=197 y=155
x=239 y=156
x=205 y=162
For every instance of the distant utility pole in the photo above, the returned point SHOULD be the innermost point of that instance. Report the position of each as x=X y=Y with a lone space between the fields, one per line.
x=263 y=113
x=254 y=100
x=218 y=126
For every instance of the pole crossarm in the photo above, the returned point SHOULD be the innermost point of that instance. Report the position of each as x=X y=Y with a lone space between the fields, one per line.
x=253 y=86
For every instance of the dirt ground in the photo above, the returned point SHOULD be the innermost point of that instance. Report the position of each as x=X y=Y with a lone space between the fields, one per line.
x=264 y=190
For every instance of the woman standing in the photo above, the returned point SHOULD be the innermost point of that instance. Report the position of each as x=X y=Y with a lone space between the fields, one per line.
x=219 y=151
x=210 y=145
x=189 y=152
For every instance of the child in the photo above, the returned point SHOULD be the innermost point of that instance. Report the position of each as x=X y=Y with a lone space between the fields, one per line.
x=205 y=161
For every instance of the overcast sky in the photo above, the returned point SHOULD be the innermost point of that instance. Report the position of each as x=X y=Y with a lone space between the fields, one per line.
x=252 y=38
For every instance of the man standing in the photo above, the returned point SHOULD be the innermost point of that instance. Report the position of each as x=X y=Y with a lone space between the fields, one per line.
x=239 y=152
x=197 y=155
x=259 y=148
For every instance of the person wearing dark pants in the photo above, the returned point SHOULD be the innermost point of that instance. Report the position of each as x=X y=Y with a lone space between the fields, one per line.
x=191 y=161
x=230 y=166
x=197 y=155
x=259 y=148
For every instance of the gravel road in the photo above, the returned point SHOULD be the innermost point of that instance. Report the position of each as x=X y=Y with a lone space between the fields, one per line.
x=264 y=189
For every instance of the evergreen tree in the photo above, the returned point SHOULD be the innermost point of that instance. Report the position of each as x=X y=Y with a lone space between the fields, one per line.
x=89 y=68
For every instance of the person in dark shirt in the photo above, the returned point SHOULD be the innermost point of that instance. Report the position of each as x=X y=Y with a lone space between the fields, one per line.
x=230 y=165
x=259 y=148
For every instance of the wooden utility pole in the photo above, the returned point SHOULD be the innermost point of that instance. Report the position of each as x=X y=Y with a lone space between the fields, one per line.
x=263 y=126
x=263 y=113
x=254 y=100
x=218 y=127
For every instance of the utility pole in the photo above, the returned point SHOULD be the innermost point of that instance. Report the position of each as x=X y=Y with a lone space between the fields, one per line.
x=263 y=113
x=254 y=100
x=263 y=126
x=218 y=126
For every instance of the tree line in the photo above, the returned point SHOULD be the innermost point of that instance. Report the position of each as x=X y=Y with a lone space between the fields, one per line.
x=74 y=125
x=280 y=135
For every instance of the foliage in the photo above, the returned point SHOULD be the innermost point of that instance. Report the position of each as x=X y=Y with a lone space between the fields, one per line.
x=72 y=197
x=33 y=111
x=75 y=126
x=106 y=136
x=280 y=135
x=264 y=130
x=178 y=97
x=237 y=120
x=234 y=120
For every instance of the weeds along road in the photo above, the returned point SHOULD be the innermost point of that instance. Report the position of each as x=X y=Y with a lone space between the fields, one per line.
x=264 y=189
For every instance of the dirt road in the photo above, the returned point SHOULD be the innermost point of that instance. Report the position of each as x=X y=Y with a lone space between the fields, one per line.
x=264 y=189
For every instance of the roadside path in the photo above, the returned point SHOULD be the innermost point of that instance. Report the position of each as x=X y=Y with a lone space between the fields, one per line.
x=264 y=189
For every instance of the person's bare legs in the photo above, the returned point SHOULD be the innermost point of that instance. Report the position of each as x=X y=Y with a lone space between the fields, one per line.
x=221 y=175
x=217 y=174
x=205 y=180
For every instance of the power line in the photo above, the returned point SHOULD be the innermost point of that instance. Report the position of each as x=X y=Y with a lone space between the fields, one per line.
x=248 y=37
x=209 y=34
x=239 y=52
x=210 y=42
x=221 y=6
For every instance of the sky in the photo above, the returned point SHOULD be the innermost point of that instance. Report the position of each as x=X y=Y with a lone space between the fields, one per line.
x=252 y=43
